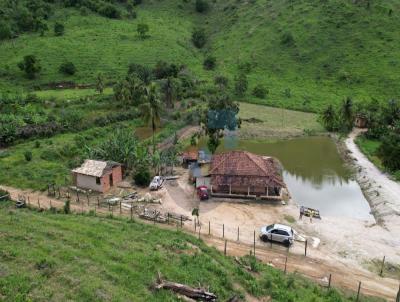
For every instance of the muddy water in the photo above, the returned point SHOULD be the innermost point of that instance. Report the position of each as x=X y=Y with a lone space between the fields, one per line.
x=314 y=173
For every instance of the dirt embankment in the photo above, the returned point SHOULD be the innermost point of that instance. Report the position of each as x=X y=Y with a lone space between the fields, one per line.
x=382 y=193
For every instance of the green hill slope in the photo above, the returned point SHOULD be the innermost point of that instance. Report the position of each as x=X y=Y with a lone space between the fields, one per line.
x=56 y=257
x=307 y=53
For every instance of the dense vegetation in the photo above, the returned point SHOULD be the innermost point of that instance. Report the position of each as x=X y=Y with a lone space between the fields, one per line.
x=382 y=140
x=303 y=53
x=60 y=257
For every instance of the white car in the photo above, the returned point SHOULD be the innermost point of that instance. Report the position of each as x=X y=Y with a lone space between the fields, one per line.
x=277 y=232
x=156 y=183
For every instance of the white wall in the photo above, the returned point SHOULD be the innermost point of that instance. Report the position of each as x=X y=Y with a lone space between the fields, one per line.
x=88 y=182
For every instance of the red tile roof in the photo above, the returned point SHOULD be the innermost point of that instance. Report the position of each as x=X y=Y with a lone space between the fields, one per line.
x=245 y=169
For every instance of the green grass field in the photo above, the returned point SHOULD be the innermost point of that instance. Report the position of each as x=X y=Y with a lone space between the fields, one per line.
x=335 y=48
x=58 y=257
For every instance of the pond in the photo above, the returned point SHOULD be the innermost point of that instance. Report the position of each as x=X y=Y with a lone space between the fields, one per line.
x=314 y=173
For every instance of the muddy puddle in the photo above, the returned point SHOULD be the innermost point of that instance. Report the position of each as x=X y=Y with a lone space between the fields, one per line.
x=314 y=173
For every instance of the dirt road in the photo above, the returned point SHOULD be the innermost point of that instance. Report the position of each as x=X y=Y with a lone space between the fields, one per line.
x=382 y=192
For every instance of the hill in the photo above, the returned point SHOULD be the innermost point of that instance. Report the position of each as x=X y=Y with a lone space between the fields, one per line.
x=58 y=257
x=305 y=53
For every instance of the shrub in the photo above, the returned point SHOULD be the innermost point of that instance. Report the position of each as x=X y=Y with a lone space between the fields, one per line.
x=260 y=91
x=67 y=207
x=30 y=65
x=5 y=31
x=59 y=29
x=37 y=144
x=142 y=30
x=28 y=155
x=110 y=11
x=67 y=68
x=202 y=6
x=142 y=176
x=241 y=84
x=199 y=38
x=287 y=39
x=210 y=62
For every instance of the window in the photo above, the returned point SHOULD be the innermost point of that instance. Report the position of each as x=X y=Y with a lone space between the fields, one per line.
x=98 y=182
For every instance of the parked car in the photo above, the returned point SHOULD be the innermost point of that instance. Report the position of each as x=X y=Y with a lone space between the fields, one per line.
x=202 y=192
x=277 y=232
x=156 y=183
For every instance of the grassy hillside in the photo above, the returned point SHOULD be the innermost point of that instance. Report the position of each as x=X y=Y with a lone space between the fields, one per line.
x=56 y=257
x=307 y=53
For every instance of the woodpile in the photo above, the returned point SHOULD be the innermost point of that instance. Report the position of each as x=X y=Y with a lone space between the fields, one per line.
x=196 y=294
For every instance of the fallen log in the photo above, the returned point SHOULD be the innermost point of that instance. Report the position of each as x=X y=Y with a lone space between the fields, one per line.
x=198 y=294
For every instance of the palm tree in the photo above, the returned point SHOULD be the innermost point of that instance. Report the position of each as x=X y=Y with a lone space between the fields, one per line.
x=151 y=109
x=168 y=88
x=329 y=118
x=347 y=113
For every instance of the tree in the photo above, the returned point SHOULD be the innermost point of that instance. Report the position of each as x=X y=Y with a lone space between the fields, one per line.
x=168 y=89
x=151 y=109
x=199 y=38
x=221 y=114
x=221 y=81
x=110 y=11
x=5 y=31
x=141 y=71
x=142 y=30
x=202 y=6
x=389 y=150
x=30 y=65
x=346 y=114
x=260 y=91
x=100 y=83
x=210 y=62
x=67 y=68
x=59 y=29
x=329 y=118
x=241 y=84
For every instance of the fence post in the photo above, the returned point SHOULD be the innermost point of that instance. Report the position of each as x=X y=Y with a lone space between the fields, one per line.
x=254 y=243
x=98 y=201
x=48 y=189
x=358 y=292
x=59 y=193
x=398 y=295
x=77 y=196
x=168 y=218
x=131 y=212
x=209 y=227
x=87 y=197
x=225 y=247
x=28 y=201
x=238 y=234
x=120 y=208
x=82 y=208
x=329 y=281
x=50 y=204
x=181 y=222
x=38 y=202
x=285 y=264
x=54 y=190
x=383 y=266
x=94 y=210
x=305 y=247
x=199 y=231
x=223 y=230
x=195 y=224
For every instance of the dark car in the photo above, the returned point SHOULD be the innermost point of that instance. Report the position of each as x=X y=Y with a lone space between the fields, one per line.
x=202 y=192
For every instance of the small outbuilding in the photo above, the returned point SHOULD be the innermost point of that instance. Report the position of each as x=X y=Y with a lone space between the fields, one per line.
x=97 y=175
x=242 y=174
x=361 y=121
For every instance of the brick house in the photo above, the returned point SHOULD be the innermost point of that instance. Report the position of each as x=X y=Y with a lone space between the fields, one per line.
x=96 y=175
x=245 y=175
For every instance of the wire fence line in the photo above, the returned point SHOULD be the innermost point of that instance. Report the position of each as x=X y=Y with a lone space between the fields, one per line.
x=97 y=206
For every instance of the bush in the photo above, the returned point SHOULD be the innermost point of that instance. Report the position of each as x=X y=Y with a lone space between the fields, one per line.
x=389 y=151
x=142 y=176
x=67 y=207
x=5 y=31
x=202 y=6
x=199 y=38
x=30 y=65
x=59 y=29
x=110 y=11
x=142 y=30
x=67 y=68
x=210 y=62
x=287 y=39
x=28 y=155
x=37 y=144
x=260 y=91
x=241 y=84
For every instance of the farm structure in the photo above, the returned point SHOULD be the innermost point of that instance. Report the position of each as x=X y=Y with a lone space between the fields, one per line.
x=96 y=175
x=242 y=174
